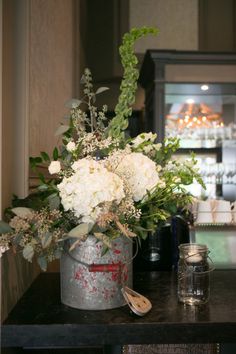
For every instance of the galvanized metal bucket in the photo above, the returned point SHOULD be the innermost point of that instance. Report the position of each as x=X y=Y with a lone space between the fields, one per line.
x=90 y=281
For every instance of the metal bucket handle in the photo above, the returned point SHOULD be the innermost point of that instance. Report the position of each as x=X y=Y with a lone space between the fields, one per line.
x=103 y=267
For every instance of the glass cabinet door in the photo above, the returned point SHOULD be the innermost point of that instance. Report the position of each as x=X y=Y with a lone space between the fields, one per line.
x=203 y=116
x=192 y=95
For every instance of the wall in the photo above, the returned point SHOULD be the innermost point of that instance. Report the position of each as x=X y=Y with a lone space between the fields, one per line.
x=103 y=24
x=39 y=68
x=176 y=20
x=51 y=70
x=183 y=24
x=217 y=25
x=12 y=271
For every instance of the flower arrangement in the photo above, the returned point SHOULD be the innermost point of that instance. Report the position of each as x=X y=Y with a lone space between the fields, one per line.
x=101 y=181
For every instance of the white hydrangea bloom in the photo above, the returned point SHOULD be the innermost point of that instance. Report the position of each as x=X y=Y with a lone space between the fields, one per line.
x=54 y=167
x=71 y=146
x=88 y=165
x=89 y=188
x=140 y=173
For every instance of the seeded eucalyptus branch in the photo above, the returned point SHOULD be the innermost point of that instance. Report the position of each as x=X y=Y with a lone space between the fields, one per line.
x=128 y=85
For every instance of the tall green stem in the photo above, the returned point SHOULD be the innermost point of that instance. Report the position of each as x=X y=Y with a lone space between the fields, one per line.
x=128 y=85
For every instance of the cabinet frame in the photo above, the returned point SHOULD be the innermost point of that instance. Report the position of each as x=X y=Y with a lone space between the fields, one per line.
x=153 y=79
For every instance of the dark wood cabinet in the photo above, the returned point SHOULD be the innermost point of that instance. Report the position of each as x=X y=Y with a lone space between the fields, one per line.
x=171 y=79
x=162 y=67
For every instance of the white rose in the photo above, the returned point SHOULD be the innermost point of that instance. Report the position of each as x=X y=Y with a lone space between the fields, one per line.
x=54 y=167
x=71 y=146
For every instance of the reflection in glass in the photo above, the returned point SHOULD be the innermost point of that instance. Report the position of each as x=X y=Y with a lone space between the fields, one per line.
x=205 y=121
x=200 y=118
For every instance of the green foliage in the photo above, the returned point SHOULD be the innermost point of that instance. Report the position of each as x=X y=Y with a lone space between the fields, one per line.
x=34 y=162
x=168 y=148
x=45 y=156
x=42 y=262
x=80 y=230
x=4 y=227
x=55 y=154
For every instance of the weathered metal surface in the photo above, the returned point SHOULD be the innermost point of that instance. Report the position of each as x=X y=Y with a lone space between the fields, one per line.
x=93 y=282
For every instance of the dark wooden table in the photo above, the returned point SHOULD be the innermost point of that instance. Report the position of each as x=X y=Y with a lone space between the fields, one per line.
x=40 y=320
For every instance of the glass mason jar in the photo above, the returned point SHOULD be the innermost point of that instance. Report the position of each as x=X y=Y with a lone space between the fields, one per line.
x=193 y=274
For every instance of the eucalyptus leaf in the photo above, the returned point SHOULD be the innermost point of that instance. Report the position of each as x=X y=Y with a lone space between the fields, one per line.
x=74 y=245
x=101 y=89
x=43 y=187
x=73 y=102
x=18 y=238
x=42 y=262
x=57 y=253
x=54 y=201
x=62 y=129
x=105 y=249
x=46 y=239
x=28 y=253
x=4 y=227
x=80 y=230
x=105 y=239
x=22 y=212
